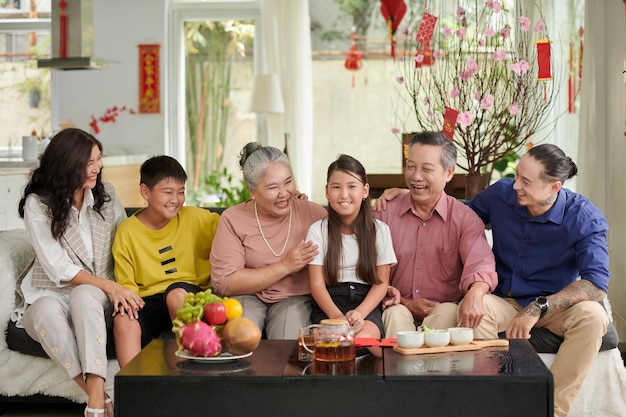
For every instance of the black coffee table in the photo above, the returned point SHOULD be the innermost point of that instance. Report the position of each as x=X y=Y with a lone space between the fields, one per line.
x=272 y=382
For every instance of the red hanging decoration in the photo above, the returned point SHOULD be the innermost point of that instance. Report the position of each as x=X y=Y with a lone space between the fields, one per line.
x=426 y=29
x=543 y=59
x=62 y=30
x=449 y=122
x=424 y=58
x=354 y=59
x=571 y=82
x=393 y=11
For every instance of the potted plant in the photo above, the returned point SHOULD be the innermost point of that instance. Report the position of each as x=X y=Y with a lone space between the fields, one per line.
x=481 y=76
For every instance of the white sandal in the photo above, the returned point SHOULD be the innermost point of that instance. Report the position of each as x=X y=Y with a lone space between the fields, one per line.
x=94 y=411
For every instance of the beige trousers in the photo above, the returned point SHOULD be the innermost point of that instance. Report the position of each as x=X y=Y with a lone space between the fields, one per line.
x=281 y=320
x=398 y=318
x=582 y=326
x=73 y=332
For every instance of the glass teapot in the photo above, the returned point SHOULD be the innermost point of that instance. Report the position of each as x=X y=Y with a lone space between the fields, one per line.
x=334 y=341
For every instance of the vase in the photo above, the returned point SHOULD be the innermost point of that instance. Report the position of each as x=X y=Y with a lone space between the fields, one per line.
x=406 y=144
x=475 y=183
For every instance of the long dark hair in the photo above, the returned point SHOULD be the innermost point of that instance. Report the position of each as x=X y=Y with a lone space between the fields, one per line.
x=554 y=161
x=364 y=228
x=60 y=173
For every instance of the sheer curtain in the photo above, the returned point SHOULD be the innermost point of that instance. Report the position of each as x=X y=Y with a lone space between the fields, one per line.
x=286 y=51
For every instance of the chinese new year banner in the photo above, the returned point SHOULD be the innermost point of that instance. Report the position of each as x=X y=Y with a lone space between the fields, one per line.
x=149 y=91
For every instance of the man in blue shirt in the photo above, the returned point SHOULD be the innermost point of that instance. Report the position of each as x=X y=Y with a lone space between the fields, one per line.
x=545 y=238
x=552 y=261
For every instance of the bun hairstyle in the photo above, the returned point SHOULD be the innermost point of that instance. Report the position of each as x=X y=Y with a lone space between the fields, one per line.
x=554 y=161
x=255 y=159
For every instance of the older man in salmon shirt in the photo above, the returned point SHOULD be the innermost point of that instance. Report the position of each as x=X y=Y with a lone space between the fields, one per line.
x=443 y=254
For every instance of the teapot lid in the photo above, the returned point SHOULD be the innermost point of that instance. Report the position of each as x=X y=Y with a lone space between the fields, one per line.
x=334 y=322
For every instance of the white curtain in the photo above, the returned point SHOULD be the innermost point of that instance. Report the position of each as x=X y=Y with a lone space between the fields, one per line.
x=286 y=51
x=602 y=99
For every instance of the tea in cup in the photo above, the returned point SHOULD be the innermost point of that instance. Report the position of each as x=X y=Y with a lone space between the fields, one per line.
x=306 y=343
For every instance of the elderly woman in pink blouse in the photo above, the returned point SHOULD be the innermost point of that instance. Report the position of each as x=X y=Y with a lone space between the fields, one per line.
x=259 y=253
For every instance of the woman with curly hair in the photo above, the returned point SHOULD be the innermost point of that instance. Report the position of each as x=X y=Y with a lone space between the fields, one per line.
x=70 y=295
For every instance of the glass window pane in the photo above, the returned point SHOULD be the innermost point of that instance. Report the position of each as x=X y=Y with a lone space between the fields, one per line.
x=25 y=98
x=219 y=69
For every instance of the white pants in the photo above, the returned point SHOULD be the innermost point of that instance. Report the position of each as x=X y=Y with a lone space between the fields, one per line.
x=73 y=333
x=281 y=320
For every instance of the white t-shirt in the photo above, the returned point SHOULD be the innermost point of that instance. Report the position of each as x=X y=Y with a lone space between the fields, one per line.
x=318 y=234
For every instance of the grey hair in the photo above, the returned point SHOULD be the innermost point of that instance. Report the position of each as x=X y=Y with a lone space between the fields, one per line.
x=254 y=159
x=448 y=149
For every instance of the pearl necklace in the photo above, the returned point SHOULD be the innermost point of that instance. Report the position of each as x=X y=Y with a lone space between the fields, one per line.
x=258 y=222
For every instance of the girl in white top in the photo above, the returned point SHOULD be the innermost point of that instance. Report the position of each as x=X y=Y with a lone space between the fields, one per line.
x=350 y=275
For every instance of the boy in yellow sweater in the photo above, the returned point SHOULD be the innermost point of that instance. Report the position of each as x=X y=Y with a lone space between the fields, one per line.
x=162 y=253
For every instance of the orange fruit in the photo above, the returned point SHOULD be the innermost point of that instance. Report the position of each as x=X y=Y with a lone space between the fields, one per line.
x=233 y=308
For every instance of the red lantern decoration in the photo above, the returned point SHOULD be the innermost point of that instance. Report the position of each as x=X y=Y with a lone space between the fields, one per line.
x=393 y=11
x=354 y=59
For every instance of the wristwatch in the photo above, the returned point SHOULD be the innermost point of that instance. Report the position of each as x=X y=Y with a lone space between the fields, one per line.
x=542 y=303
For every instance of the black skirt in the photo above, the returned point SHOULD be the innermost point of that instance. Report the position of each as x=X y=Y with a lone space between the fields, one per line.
x=347 y=296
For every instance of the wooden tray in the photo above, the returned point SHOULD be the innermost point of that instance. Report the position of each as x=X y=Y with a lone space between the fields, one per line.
x=475 y=345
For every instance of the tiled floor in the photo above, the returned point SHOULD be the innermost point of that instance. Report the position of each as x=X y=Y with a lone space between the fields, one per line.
x=42 y=410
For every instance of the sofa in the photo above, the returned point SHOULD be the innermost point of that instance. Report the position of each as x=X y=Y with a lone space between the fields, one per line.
x=25 y=376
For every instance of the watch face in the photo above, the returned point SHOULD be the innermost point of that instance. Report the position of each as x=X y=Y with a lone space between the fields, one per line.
x=542 y=301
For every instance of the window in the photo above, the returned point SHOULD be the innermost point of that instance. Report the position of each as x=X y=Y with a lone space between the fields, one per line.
x=211 y=90
x=25 y=98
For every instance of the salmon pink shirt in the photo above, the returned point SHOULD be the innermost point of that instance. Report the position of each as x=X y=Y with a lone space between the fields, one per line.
x=238 y=244
x=441 y=256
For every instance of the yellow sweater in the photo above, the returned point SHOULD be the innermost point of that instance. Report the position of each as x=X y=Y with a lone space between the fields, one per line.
x=147 y=261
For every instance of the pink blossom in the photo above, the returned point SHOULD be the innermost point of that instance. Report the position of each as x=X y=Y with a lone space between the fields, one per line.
x=477 y=96
x=426 y=100
x=395 y=130
x=400 y=58
x=465 y=119
x=540 y=26
x=430 y=113
x=437 y=54
x=455 y=92
x=525 y=22
x=460 y=12
x=405 y=32
x=481 y=42
x=513 y=109
x=489 y=32
x=505 y=33
x=461 y=32
x=419 y=58
x=487 y=102
x=466 y=75
x=499 y=55
x=447 y=31
x=497 y=6
x=520 y=68
x=471 y=65
x=490 y=4
x=400 y=79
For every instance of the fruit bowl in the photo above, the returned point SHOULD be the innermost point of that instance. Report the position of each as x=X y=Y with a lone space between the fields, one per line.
x=208 y=325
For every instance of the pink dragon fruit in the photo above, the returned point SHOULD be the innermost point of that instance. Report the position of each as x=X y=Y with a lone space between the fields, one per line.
x=199 y=339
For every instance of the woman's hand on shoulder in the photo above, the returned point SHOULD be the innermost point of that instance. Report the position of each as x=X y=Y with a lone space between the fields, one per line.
x=300 y=196
x=388 y=195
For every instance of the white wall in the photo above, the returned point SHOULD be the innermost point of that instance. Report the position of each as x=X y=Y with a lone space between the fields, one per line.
x=119 y=26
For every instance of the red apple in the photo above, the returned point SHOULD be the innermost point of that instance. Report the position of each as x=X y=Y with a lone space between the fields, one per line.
x=215 y=313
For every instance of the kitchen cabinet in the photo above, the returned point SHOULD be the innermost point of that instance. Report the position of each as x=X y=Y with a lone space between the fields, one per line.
x=12 y=183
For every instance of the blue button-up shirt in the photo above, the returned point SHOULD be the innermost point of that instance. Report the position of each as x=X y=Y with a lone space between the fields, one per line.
x=541 y=255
